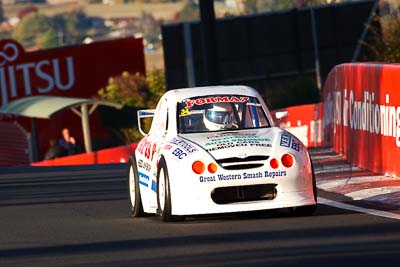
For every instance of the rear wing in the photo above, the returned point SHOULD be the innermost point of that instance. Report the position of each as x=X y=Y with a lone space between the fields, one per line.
x=144 y=113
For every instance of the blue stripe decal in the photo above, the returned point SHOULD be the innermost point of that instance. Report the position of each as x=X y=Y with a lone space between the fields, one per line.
x=143 y=179
x=142 y=183
x=154 y=186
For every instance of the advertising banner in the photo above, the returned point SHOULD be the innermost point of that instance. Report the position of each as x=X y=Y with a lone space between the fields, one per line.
x=73 y=71
x=362 y=115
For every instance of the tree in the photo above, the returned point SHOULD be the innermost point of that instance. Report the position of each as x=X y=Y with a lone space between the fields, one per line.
x=63 y=29
x=4 y=34
x=250 y=6
x=27 y=10
x=74 y=25
x=385 y=43
x=136 y=91
x=257 y=6
x=49 y=39
x=32 y=29
x=150 y=28
x=317 y=2
x=189 y=12
x=283 y=4
x=2 y=18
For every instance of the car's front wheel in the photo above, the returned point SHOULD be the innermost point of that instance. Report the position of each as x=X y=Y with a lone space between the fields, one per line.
x=134 y=190
x=164 y=193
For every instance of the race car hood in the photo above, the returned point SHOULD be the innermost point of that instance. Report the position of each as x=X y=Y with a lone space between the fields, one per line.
x=241 y=143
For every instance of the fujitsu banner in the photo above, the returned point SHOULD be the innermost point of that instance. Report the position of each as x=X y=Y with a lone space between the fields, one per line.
x=73 y=71
x=78 y=71
x=362 y=115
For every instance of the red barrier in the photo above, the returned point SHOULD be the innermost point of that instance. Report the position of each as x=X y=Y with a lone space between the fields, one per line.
x=362 y=115
x=111 y=155
x=304 y=122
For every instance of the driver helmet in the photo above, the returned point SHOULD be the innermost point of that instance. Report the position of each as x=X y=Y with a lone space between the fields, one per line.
x=219 y=117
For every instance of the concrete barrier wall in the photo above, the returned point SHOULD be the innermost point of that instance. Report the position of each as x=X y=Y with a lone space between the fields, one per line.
x=111 y=155
x=362 y=115
x=305 y=122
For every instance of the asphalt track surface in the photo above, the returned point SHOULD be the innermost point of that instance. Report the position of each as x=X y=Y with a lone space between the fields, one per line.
x=79 y=216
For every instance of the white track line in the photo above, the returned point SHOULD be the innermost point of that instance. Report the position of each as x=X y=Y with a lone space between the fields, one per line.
x=358 y=209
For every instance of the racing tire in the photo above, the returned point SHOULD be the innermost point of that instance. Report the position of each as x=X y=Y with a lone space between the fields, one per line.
x=310 y=209
x=164 y=194
x=134 y=190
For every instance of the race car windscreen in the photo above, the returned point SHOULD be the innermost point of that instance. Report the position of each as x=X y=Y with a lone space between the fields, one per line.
x=220 y=113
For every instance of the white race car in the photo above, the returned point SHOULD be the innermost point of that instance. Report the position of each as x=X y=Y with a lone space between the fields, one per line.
x=216 y=150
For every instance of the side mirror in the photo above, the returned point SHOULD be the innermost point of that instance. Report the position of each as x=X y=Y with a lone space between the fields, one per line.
x=281 y=114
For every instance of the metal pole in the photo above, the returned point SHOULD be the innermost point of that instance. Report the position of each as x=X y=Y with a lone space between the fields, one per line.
x=316 y=51
x=187 y=38
x=365 y=31
x=209 y=41
x=86 y=128
x=316 y=125
x=34 y=141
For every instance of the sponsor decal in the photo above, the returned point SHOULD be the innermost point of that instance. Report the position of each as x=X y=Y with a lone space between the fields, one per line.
x=224 y=142
x=179 y=153
x=168 y=147
x=143 y=179
x=234 y=139
x=153 y=186
x=287 y=140
x=363 y=115
x=242 y=176
x=231 y=145
x=147 y=149
x=144 y=165
x=216 y=99
x=224 y=134
x=204 y=179
x=184 y=112
x=223 y=177
x=273 y=174
x=189 y=148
